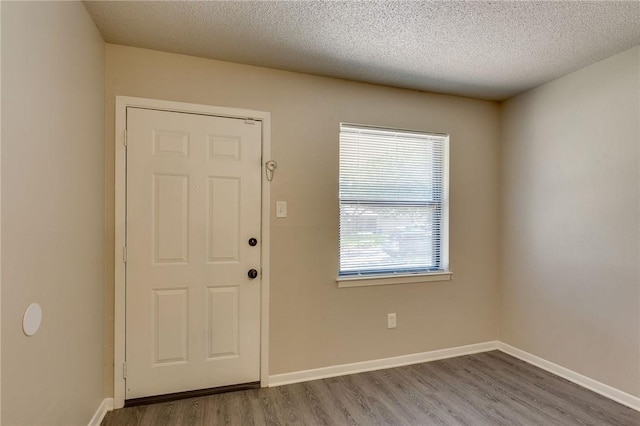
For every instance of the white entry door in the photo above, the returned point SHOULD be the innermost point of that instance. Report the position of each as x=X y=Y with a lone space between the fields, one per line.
x=193 y=268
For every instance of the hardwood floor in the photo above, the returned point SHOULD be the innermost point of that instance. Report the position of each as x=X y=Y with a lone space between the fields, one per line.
x=490 y=388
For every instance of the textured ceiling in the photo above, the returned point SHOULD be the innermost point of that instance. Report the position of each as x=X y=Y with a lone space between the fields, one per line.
x=488 y=50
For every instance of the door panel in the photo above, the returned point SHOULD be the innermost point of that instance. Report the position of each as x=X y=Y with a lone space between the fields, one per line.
x=193 y=202
x=170 y=218
x=223 y=322
x=224 y=220
x=170 y=325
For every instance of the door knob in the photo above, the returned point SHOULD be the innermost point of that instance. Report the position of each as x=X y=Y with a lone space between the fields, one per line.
x=252 y=273
x=253 y=242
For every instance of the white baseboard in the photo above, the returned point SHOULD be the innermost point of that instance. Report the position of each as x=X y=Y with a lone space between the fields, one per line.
x=577 y=378
x=378 y=364
x=398 y=361
x=105 y=406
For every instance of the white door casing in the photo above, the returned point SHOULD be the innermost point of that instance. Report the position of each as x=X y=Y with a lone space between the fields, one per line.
x=193 y=315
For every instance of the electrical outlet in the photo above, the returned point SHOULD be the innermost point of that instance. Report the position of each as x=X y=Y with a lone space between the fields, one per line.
x=391 y=320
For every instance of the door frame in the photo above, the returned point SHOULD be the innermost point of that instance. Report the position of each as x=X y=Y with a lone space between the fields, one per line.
x=122 y=102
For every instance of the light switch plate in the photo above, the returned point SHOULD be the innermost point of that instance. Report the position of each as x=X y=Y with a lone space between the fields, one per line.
x=391 y=320
x=281 y=209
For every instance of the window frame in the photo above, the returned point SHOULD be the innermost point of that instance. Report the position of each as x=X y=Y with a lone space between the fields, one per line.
x=405 y=277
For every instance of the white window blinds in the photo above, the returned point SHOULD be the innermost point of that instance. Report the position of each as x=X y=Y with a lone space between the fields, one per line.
x=393 y=195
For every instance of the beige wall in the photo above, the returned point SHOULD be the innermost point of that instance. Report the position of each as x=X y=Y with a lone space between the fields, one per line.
x=570 y=287
x=52 y=212
x=313 y=323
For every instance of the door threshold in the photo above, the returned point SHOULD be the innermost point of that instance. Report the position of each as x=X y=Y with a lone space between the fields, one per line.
x=168 y=397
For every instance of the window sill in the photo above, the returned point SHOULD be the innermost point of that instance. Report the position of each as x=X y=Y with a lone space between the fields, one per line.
x=344 y=282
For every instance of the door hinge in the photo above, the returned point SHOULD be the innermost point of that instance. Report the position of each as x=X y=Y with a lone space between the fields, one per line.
x=124 y=370
x=124 y=254
x=125 y=137
x=250 y=121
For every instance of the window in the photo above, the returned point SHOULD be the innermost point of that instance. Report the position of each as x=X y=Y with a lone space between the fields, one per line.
x=393 y=202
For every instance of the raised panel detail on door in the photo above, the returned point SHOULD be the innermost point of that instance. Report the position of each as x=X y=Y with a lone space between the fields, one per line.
x=170 y=331
x=170 y=143
x=224 y=147
x=171 y=211
x=224 y=219
x=223 y=321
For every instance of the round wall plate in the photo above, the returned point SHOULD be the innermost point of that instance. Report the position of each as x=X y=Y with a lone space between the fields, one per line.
x=32 y=319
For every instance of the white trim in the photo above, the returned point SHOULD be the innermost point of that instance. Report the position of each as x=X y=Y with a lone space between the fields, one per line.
x=637 y=402
x=105 y=406
x=577 y=378
x=0 y=211
x=122 y=102
x=119 y=325
x=378 y=364
x=398 y=361
x=265 y=262
x=365 y=281
x=444 y=232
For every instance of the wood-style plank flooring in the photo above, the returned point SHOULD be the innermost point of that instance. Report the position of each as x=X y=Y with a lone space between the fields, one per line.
x=490 y=388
